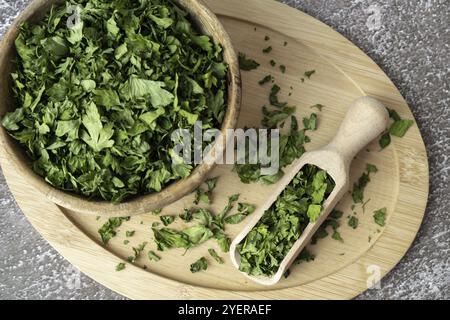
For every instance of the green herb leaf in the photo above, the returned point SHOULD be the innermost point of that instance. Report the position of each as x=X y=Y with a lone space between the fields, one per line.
x=152 y=256
x=199 y=265
x=121 y=266
x=166 y=220
x=265 y=80
x=308 y=74
x=400 y=127
x=353 y=222
x=385 y=140
x=267 y=50
x=337 y=236
x=311 y=122
x=186 y=216
x=214 y=254
x=247 y=64
x=109 y=229
x=358 y=188
x=380 y=217
x=137 y=252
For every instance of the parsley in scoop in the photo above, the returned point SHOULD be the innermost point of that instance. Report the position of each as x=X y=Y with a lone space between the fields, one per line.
x=267 y=244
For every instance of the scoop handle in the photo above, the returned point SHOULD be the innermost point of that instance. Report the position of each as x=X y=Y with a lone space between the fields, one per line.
x=365 y=120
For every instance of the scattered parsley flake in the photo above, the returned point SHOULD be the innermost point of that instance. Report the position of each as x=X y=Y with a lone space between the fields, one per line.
x=247 y=64
x=121 y=266
x=265 y=80
x=199 y=265
x=268 y=49
x=318 y=107
x=308 y=74
x=379 y=217
x=215 y=255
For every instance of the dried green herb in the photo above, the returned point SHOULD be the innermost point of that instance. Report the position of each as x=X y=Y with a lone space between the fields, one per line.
x=186 y=216
x=137 y=252
x=247 y=64
x=130 y=233
x=311 y=122
x=358 y=188
x=108 y=230
x=337 y=236
x=308 y=74
x=121 y=266
x=283 y=68
x=379 y=217
x=152 y=256
x=214 y=254
x=166 y=220
x=265 y=80
x=353 y=222
x=244 y=209
x=199 y=265
x=268 y=49
x=96 y=102
x=282 y=224
x=385 y=140
x=273 y=63
x=205 y=196
x=398 y=128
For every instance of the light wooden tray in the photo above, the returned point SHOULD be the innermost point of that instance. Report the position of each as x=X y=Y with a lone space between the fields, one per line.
x=340 y=270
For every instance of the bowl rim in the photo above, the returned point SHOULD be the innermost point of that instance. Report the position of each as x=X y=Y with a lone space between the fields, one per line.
x=142 y=203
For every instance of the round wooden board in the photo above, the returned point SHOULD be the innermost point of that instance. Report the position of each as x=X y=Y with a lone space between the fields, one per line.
x=340 y=270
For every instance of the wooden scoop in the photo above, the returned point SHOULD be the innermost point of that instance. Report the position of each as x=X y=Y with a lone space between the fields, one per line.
x=366 y=119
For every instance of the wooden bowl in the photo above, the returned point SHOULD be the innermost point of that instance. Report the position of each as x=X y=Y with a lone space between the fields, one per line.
x=208 y=24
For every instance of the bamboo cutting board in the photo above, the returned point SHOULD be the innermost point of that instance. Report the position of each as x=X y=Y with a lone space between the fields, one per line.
x=341 y=270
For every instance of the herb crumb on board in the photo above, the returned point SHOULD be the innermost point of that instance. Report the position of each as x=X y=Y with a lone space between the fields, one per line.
x=268 y=49
x=353 y=222
x=308 y=74
x=360 y=185
x=379 y=216
x=265 y=80
x=398 y=128
x=247 y=64
x=199 y=265
x=167 y=219
x=121 y=266
x=152 y=256
x=109 y=229
x=215 y=255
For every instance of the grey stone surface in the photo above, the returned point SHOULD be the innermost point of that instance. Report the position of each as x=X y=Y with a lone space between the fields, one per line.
x=410 y=40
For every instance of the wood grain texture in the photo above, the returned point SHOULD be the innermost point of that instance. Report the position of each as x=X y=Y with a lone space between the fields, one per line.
x=340 y=269
x=208 y=24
